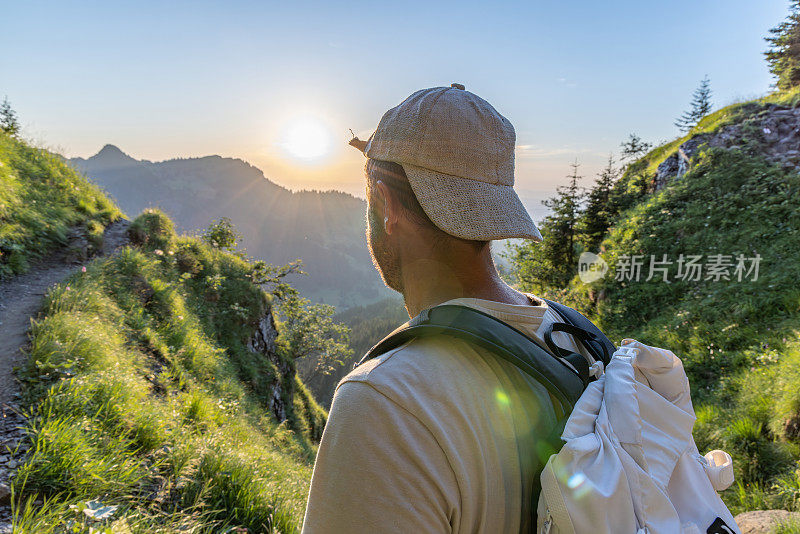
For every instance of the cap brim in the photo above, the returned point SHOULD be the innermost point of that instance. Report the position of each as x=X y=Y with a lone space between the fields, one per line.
x=471 y=209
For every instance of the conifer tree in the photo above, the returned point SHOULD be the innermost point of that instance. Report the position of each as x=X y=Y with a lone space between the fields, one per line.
x=783 y=55
x=634 y=181
x=599 y=213
x=633 y=147
x=553 y=262
x=701 y=105
x=8 y=119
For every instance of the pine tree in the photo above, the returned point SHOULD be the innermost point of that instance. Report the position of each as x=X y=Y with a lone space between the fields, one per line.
x=553 y=262
x=701 y=105
x=599 y=213
x=8 y=118
x=783 y=55
x=633 y=148
x=566 y=208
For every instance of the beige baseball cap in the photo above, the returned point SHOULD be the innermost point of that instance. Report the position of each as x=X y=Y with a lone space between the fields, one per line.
x=458 y=154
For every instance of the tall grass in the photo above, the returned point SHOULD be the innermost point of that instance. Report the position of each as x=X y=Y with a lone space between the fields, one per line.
x=41 y=199
x=146 y=398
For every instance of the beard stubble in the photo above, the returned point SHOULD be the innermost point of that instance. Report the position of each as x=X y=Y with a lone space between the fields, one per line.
x=384 y=258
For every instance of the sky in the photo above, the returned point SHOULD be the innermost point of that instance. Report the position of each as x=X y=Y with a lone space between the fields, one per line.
x=281 y=84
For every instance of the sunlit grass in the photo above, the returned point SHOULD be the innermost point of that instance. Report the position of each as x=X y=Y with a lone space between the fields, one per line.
x=41 y=200
x=147 y=399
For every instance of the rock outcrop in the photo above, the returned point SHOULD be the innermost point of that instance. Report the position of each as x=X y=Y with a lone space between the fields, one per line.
x=775 y=129
x=263 y=342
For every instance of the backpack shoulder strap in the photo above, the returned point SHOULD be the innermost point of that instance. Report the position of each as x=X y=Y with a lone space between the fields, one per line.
x=597 y=342
x=499 y=338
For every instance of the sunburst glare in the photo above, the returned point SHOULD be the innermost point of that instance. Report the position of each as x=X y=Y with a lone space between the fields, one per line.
x=306 y=139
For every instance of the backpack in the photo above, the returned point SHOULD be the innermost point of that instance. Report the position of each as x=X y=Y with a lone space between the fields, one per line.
x=568 y=496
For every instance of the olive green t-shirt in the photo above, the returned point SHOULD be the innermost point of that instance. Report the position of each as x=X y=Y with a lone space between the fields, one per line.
x=434 y=436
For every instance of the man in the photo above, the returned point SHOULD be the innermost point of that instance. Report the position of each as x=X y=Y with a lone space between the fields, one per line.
x=437 y=435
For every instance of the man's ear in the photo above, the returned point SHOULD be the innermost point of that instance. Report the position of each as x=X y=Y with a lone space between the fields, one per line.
x=391 y=208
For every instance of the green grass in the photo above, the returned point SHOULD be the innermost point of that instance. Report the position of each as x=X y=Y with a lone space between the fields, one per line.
x=792 y=526
x=738 y=340
x=41 y=200
x=730 y=204
x=147 y=398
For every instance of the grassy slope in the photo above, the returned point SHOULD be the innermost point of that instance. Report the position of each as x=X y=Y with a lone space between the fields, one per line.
x=41 y=199
x=739 y=340
x=149 y=399
x=143 y=392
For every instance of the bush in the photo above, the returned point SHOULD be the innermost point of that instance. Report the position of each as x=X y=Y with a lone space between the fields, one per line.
x=222 y=234
x=757 y=458
x=152 y=230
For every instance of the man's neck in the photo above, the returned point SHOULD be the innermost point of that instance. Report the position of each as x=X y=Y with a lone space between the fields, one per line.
x=430 y=282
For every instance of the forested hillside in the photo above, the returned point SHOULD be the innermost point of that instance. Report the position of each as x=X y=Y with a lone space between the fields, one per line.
x=367 y=325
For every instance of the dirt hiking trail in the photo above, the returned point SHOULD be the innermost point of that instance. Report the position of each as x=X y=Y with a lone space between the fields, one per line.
x=21 y=299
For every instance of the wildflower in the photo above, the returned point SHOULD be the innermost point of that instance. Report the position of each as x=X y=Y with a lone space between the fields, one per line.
x=159 y=252
x=67 y=288
x=83 y=269
x=171 y=252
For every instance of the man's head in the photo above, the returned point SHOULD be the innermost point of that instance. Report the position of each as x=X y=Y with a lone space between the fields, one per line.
x=440 y=172
x=390 y=199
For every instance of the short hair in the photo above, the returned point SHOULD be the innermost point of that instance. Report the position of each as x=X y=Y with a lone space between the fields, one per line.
x=394 y=176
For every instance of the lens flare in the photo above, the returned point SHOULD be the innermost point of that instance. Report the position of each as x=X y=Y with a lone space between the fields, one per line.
x=502 y=398
x=576 y=480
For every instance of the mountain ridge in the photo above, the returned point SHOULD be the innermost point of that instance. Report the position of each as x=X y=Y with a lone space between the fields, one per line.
x=325 y=229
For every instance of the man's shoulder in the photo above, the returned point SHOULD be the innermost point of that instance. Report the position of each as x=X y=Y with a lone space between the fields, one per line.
x=420 y=368
x=419 y=355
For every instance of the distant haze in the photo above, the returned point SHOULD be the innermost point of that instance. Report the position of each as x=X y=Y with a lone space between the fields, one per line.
x=324 y=229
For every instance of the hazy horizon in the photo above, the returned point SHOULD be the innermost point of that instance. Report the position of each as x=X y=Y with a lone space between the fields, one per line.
x=531 y=199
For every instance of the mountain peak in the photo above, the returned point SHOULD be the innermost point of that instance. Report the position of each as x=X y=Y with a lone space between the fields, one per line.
x=112 y=154
x=111 y=151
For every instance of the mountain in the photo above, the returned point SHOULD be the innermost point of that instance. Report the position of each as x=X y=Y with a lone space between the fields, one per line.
x=323 y=228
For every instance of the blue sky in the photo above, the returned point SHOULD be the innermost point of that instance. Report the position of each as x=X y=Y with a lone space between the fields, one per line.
x=168 y=79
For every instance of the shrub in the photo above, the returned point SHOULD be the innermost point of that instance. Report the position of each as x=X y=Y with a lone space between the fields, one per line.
x=222 y=234
x=756 y=457
x=152 y=230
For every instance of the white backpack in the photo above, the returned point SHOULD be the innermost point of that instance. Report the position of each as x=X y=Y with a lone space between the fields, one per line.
x=629 y=463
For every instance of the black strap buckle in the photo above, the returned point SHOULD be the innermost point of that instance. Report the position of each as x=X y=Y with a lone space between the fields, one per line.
x=589 y=340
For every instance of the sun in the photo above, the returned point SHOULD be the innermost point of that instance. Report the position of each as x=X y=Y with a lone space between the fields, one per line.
x=306 y=139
